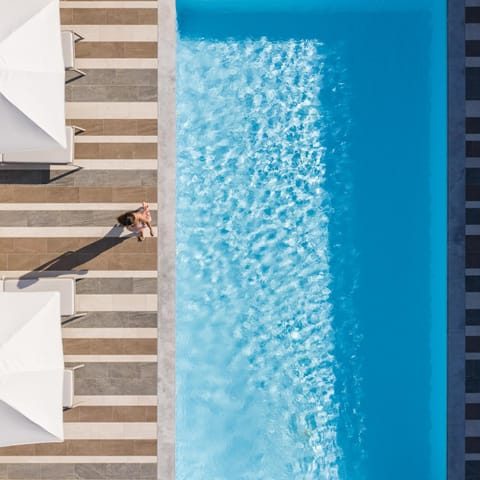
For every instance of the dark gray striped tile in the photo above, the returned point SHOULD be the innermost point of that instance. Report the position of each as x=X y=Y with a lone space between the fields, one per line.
x=52 y=471
x=472 y=317
x=472 y=445
x=117 y=285
x=115 y=471
x=100 y=93
x=78 y=471
x=472 y=48
x=472 y=83
x=472 y=15
x=472 y=216
x=82 y=178
x=472 y=344
x=472 y=283
x=472 y=376
x=116 y=320
x=116 y=379
x=49 y=218
x=472 y=411
x=472 y=125
x=117 y=77
x=472 y=470
x=472 y=175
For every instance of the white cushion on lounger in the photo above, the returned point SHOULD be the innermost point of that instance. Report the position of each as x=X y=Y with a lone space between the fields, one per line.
x=69 y=385
x=66 y=287
x=68 y=388
x=57 y=156
x=68 y=45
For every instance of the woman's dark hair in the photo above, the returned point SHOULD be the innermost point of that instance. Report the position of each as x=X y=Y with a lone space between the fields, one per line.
x=126 y=219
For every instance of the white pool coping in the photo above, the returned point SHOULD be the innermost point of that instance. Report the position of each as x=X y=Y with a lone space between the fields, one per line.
x=166 y=238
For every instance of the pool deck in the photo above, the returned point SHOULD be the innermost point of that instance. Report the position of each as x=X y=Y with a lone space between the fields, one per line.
x=112 y=432
x=456 y=241
x=166 y=241
x=464 y=241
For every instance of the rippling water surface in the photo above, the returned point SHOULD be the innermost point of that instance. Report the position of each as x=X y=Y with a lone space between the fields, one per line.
x=253 y=259
x=303 y=249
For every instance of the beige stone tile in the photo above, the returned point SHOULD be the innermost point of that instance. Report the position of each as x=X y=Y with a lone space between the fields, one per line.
x=140 y=49
x=98 y=194
x=60 y=194
x=88 y=16
x=18 y=450
x=66 y=16
x=7 y=245
x=144 y=447
x=137 y=16
x=29 y=245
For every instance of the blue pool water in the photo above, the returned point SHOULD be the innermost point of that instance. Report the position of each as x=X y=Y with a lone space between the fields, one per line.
x=310 y=241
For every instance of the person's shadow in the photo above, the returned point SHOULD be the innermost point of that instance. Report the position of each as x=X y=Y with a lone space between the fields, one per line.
x=72 y=259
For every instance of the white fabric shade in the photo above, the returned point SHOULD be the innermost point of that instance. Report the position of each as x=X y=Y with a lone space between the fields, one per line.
x=32 y=76
x=31 y=368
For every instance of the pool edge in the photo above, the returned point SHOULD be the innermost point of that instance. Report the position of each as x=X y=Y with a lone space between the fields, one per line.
x=456 y=241
x=166 y=240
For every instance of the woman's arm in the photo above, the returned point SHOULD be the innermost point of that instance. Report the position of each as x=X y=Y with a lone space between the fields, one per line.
x=144 y=219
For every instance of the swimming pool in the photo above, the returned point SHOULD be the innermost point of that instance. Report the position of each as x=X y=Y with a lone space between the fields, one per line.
x=311 y=241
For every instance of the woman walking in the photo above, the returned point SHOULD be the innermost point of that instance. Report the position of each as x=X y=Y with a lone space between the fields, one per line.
x=137 y=220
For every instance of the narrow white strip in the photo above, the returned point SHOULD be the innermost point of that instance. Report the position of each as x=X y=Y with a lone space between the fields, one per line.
x=130 y=164
x=472 y=61
x=472 y=428
x=110 y=430
x=116 y=139
x=81 y=273
x=472 y=398
x=472 y=204
x=472 y=108
x=472 y=300
x=117 y=4
x=116 y=303
x=77 y=459
x=472 y=330
x=472 y=30
x=71 y=206
x=115 y=33
x=472 y=162
x=472 y=456
x=116 y=400
x=110 y=359
x=109 y=332
x=91 y=164
x=63 y=232
x=136 y=63
x=472 y=229
x=109 y=110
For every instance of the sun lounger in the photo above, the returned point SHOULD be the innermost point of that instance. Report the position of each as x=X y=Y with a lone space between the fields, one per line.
x=69 y=39
x=69 y=386
x=66 y=287
x=60 y=156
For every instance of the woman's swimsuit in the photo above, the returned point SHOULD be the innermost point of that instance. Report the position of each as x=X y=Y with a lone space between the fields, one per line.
x=139 y=226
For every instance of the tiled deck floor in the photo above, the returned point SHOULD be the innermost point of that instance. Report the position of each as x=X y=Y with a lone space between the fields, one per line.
x=46 y=213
